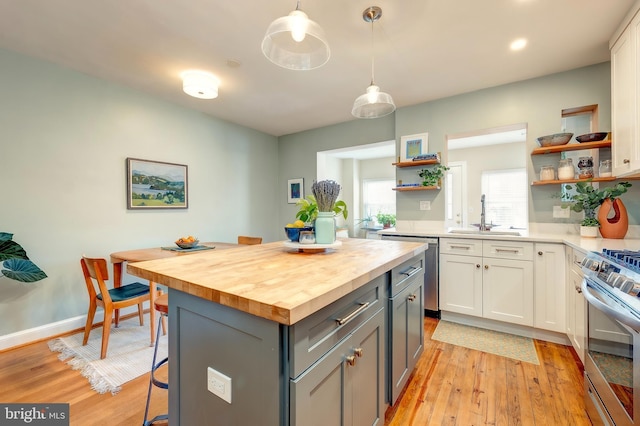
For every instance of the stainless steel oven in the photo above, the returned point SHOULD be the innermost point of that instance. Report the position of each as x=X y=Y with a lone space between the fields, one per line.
x=611 y=287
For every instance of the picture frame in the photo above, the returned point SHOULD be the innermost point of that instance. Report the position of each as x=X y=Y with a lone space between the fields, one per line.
x=295 y=190
x=156 y=185
x=413 y=146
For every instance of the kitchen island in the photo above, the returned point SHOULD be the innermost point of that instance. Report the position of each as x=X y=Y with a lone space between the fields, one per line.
x=268 y=335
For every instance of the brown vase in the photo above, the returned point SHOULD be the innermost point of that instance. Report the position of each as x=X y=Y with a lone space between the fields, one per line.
x=616 y=226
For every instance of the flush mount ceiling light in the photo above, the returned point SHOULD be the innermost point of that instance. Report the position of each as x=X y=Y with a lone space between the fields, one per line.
x=200 y=84
x=374 y=103
x=518 y=44
x=296 y=42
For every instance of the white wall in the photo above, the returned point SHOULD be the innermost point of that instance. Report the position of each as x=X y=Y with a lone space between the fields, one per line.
x=64 y=140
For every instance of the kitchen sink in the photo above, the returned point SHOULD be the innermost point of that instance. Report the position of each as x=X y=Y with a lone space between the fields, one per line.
x=478 y=232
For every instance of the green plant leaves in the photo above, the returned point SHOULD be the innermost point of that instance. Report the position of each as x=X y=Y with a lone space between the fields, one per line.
x=22 y=270
x=16 y=263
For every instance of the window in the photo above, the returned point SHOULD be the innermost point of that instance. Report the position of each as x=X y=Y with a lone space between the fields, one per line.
x=378 y=197
x=506 y=197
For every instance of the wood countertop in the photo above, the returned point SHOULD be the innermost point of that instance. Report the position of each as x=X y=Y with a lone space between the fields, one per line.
x=275 y=282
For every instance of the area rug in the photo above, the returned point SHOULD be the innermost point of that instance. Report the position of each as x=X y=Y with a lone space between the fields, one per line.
x=129 y=354
x=493 y=342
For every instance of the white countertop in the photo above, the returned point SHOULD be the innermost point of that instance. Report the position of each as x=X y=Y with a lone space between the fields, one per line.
x=573 y=240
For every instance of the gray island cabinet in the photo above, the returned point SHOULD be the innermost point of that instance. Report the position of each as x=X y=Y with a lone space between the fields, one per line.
x=266 y=335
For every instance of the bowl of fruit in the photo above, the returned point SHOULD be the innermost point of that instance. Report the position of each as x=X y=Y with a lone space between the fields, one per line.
x=293 y=230
x=187 y=242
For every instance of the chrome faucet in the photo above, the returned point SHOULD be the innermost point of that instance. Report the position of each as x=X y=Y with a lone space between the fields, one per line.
x=483 y=223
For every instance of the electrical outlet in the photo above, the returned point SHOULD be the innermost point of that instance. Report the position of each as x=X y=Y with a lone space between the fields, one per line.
x=425 y=205
x=219 y=384
x=560 y=213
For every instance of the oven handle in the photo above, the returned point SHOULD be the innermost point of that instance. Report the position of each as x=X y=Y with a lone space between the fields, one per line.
x=588 y=293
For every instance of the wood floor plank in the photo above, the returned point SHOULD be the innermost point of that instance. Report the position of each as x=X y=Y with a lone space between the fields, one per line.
x=450 y=385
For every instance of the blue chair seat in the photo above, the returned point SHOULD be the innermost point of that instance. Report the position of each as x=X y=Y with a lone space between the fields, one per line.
x=127 y=291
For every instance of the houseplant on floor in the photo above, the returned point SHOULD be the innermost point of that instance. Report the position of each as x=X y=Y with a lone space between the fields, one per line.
x=588 y=199
x=15 y=262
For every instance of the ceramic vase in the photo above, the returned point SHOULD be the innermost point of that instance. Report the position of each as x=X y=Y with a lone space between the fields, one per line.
x=616 y=226
x=588 y=231
x=325 y=228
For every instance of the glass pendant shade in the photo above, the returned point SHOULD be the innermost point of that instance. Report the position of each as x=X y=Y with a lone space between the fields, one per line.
x=296 y=42
x=373 y=104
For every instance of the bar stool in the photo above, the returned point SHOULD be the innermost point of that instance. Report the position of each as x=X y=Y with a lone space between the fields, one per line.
x=162 y=306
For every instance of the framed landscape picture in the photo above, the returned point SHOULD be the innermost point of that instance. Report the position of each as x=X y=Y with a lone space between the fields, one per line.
x=156 y=185
x=295 y=190
x=413 y=145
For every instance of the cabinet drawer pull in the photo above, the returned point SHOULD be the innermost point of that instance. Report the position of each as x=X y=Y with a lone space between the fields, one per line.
x=514 y=251
x=411 y=298
x=461 y=247
x=411 y=271
x=540 y=253
x=626 y=161
x=486 y=266
x=362 y=307
x=358 y=352
x=477 y=265
x=351 y=360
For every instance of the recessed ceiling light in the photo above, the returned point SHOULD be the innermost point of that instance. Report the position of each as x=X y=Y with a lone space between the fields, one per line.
x=518 y=44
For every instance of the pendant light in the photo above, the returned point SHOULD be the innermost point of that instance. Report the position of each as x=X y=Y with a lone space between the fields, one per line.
x=296 y=42
x=373 y=103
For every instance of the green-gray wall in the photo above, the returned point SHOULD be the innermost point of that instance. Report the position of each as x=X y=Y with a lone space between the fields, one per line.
x=64 y=140
x=537 y=102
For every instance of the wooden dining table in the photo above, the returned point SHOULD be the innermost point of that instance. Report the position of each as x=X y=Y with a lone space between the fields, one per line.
x=139 y=255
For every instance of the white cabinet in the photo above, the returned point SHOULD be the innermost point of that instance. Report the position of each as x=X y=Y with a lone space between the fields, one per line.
x=490 y=279
x=550 y=287
x=576 y=303
x=625 y=99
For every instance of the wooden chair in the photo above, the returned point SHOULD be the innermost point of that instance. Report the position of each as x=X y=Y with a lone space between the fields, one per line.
x=242 y=239
x=109 y=300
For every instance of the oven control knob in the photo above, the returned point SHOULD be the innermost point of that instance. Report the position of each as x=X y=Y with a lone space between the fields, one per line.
x=591 y=264
x=614 y=279
x=626 y=286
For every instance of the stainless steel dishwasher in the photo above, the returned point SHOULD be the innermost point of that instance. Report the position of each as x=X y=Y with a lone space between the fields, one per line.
x=431 y=301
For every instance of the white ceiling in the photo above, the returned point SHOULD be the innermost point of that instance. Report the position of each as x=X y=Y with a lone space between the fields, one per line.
x=424 y=49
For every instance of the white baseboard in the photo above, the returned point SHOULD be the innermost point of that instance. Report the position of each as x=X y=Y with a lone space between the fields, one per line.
x=53 y=329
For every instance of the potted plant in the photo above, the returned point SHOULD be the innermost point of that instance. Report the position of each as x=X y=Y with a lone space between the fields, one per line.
x=15 y=263
x=387 y=220
x=616 y=226
x=587 y=199
x=309 y=209
x=433 y=175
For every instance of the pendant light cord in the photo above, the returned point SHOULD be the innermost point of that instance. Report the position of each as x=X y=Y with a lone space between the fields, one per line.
x=372 y=51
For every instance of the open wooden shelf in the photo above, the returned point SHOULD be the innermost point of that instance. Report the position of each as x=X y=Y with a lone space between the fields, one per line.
x=571 y=147
x=596 y=179
x=416 y=163
x=415 y=188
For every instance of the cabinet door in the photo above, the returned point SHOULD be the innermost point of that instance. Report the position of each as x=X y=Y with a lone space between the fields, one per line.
x=508 y=290
x=550 y=287
x=625 y=97
x=406 y=336
x=365 y=379
x=345 y=386
x=461 y=284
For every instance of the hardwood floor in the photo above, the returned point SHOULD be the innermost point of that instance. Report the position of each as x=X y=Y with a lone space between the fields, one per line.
x=450 y=386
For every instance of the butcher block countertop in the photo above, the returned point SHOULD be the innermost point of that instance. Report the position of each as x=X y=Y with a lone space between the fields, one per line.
x=276 y=282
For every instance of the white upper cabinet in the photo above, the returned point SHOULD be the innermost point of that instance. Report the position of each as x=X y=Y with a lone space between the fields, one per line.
x=625 y=99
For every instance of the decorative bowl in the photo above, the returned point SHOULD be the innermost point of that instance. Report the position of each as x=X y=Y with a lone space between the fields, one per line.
x=592 y=137
x=187 y=245
x=555 y=139
x=294 y=233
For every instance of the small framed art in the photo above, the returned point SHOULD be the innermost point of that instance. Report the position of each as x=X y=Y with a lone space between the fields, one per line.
x=156 y=185
x=413 y=145
x=295 y=190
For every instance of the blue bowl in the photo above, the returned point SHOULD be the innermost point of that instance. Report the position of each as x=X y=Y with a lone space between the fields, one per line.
x=294 y=233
